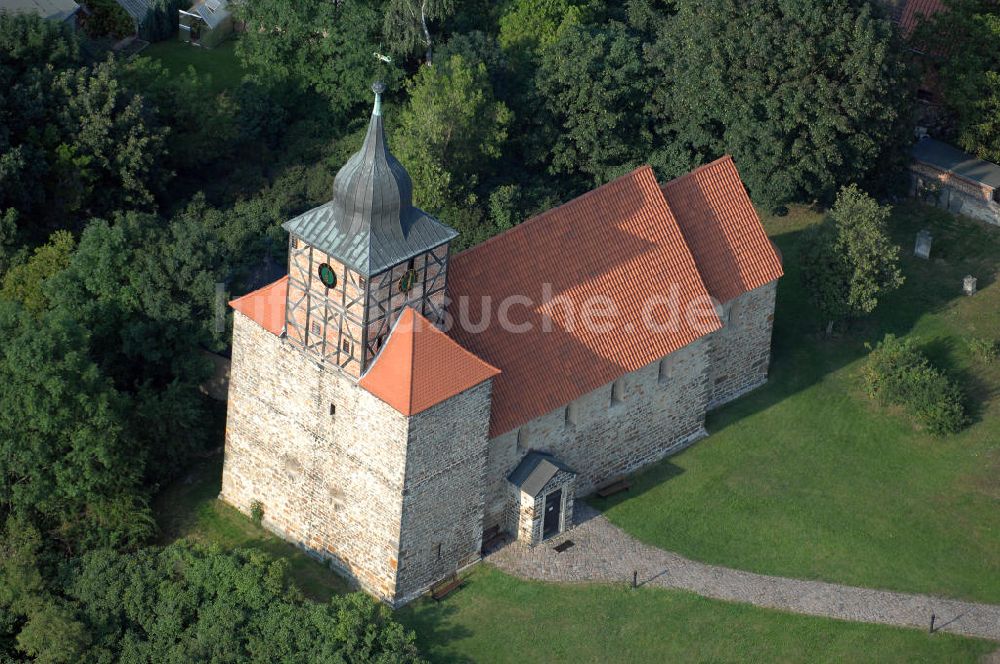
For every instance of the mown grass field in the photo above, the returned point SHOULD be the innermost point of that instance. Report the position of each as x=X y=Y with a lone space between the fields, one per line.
x=807 y=478
x=497 y=618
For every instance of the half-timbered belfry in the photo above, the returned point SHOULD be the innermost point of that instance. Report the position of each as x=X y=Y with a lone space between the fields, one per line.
x=356 y=262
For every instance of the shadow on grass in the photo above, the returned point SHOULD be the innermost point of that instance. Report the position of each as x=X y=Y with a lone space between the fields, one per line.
x=437 y=624
x=803 y=356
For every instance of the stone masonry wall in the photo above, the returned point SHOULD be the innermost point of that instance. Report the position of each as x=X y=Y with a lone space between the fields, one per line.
x=662 y=410
x=329 y=480
x=740 y=352
x=443 y=496
x=954 y=193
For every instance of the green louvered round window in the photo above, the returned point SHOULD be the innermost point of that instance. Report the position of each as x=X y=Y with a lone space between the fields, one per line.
x=327 y=276
x=408 y=281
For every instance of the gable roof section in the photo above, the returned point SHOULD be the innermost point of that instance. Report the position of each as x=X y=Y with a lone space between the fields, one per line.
x=56 y=10
x=137 y=9
x=723 y=230
x=949 y=158
x=265 y=306
x=619 y=244
x=535 y=471
x=420 y=366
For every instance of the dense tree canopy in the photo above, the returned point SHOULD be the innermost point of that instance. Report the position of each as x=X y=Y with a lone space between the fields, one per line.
x=451 y=130
x=806 y=96
x=326 y=47
x=594 y=83
x=963 y=45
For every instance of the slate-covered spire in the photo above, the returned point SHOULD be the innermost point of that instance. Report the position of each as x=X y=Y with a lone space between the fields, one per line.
x=373 y=190
x=371 y=224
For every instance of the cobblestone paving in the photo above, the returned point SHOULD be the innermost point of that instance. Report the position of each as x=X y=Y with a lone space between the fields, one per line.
x=604 y=553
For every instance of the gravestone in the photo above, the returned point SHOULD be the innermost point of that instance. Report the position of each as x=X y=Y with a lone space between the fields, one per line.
x=969 y=285
x=922 y=249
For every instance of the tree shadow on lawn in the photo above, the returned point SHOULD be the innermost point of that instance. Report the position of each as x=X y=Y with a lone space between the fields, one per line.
x=801 y=354
x=436 y=625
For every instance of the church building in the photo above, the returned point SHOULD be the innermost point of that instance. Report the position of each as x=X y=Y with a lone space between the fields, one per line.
x=392 y=405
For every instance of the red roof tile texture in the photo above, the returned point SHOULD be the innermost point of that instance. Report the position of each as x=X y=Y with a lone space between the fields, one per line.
x=616 y=251
x=420 y=366
x=913 y=10
x=723 y=230
x=265 y=306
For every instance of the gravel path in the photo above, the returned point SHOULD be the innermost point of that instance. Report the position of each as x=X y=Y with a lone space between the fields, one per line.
x=604 y=553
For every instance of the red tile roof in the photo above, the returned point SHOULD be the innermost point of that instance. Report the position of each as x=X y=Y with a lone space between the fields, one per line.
x=265 y=306
x=619 y=243
x=913 y=9
x=722 y=229
x=420 y=366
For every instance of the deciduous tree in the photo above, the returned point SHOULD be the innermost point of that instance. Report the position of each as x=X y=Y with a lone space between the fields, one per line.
x=850 y=263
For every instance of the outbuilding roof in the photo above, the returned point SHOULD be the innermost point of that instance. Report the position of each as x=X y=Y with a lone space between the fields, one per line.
x=137 y=9
x=535 y=471
x=420 y=366
x=911 y=11
x=949 y=158
x=590 y=290
x=371 y=223
x=722 y=229
x=212 y=12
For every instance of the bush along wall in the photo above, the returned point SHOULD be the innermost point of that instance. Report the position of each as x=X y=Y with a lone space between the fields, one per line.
x=897 y=374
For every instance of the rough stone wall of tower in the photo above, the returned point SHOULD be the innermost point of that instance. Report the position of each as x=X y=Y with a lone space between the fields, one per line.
x=443 y=496
x=740 y=352
x=331 y=483
x=662 y=410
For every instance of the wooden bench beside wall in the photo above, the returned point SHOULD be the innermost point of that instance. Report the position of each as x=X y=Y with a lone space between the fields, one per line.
x=614 y=487
x=446 y=587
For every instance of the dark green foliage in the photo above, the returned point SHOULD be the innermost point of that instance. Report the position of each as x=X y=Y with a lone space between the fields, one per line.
x=204 y=125
x=897 y=374
x=962 y=53
x=67 y=463
x=185 y=603
x=452 y=130
x=106 y=18
x=594 y=84
x=806 y=96
x=161 y=21
x=849 y=261
x=406 y=25
x=315 y=45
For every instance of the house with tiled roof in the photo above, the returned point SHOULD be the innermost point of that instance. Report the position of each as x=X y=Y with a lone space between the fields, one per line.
x=393 y=407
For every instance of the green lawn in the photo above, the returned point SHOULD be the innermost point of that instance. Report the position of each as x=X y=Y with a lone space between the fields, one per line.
x=497 y=618
x=806 y=478
x=220 y=62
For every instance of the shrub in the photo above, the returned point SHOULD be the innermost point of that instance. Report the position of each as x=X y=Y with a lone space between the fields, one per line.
x=257 y=512
x=898 y=374
x=985 y=350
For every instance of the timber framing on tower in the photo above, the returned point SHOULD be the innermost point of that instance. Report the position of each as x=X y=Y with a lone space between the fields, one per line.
x=355 y=262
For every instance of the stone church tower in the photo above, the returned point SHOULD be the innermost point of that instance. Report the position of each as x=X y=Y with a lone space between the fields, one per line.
x=376 y=467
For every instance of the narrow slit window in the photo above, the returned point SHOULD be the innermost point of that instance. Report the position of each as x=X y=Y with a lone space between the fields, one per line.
x=333 y=409
x=571 y=414
x=666 y=370
x=617 y=392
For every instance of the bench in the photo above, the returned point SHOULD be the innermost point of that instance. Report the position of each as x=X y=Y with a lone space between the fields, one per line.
x=446 y=587
x=613 y=488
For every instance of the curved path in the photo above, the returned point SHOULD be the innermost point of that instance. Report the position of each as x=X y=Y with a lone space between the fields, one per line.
x=602 y=552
